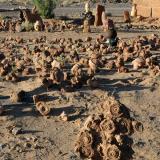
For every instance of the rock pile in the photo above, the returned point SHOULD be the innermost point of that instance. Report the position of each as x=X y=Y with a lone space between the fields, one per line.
x=59 y=62
x=105 y=135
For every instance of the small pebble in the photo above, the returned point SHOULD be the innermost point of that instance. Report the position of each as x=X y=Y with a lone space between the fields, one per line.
x=16 y=131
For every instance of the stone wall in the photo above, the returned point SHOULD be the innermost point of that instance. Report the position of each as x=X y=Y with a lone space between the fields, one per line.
x=148 y=8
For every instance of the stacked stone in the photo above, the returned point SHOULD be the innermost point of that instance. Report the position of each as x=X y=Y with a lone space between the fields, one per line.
x=98 y=15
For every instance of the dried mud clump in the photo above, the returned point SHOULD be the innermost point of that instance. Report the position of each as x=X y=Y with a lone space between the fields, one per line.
x=43 y=108
x=84 y=146
x=138 y=63
x=18 y=96
x=111 y=152
x=104 y=136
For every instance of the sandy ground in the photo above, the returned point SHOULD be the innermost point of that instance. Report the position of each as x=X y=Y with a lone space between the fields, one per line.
x=56 y=138
x=49 y=138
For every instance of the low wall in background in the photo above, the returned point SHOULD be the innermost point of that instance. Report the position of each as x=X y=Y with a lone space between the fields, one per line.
x=148 y=8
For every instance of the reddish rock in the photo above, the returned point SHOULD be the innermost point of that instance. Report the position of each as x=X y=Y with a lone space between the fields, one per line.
x=98 y=17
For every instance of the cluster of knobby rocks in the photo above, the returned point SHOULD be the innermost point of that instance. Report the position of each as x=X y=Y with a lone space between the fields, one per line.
x=27 y=19
x=58 y=25
x=14 y=61
x=61 y=64
x=6 y=69
x=104 y=136
x=30 y=20
x=74 y=62
x=56 y=63
x=14 y=25
x=68 y=64
x=139 y=53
